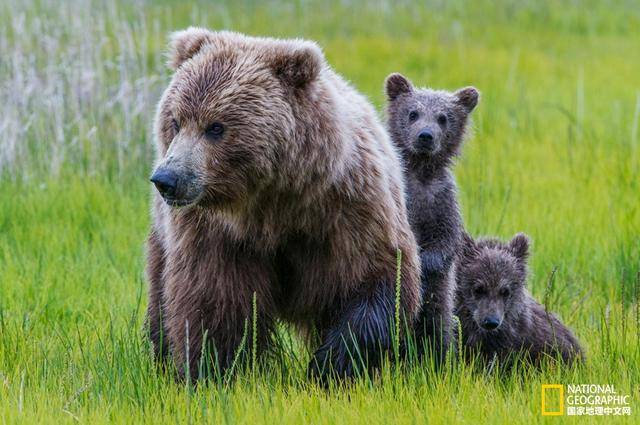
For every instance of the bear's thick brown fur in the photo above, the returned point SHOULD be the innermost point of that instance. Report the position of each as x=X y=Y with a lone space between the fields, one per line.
x=274 y=177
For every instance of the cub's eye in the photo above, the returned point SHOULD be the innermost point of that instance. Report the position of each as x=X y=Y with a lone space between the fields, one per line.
x=413 y=115
x=215 y=131
x=175 y=125
x=442 y=119
x=480 y=291
x=505 y=292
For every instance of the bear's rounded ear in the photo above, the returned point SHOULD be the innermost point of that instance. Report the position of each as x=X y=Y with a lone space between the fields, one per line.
x=519 y=246
x=397 y=84
x=468 y=247
x=185 y=44
x=468 y=97
x=298 y=63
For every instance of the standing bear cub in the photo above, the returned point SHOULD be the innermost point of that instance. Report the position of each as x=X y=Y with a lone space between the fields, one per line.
x=274 y=179
x=498 y=316
x=428 y=127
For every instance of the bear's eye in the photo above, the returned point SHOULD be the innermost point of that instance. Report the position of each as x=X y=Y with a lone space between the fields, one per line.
x=413 y=115
x=505 y=292
x=214 y=131
x=175 y=125
x=442 y=119
x=480 y=291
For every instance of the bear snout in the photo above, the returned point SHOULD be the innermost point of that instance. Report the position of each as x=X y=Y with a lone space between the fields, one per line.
x=426 y=141
x=177 y=189
x=166 y=181
x=491 y=322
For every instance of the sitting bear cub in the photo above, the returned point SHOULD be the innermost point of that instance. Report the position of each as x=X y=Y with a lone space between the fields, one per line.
x=498 y=316
x=428 y=127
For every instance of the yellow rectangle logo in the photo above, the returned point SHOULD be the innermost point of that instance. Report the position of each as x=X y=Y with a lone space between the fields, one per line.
x=560 y=405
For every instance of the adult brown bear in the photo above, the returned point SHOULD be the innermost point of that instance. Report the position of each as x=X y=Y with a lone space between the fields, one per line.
x=274 y=177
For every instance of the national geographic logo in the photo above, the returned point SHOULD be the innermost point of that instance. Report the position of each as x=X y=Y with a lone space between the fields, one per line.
x=584 y=400
x=552 y=400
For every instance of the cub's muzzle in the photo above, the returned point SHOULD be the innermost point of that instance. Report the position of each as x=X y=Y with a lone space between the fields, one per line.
x=491 y=322
x=426 y=141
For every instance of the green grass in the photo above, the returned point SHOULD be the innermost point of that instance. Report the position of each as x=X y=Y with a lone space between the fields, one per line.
x=554 y=153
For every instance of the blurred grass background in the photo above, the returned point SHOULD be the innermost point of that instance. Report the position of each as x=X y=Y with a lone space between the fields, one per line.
x=554 y=153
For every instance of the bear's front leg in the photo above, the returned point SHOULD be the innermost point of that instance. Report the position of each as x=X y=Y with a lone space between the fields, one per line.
x=359 y=336
x=209 y=312
x=433 y=329
x=155 y=313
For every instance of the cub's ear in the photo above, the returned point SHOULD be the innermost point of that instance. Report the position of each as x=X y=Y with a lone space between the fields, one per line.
x=185 y=44
x=468 y=97
x=468 y=247
x=397 y=84
x=298 y=63
x=519 y=246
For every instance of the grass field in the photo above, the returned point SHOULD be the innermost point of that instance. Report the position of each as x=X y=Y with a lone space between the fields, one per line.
x=555 y=152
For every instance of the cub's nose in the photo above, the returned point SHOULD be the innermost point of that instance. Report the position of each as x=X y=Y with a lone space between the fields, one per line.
x=490 y=323
x=425 y=142
x=425 y=136
x=166 y=182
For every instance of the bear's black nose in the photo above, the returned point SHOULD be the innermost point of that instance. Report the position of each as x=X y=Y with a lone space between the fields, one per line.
x=425 y=136
x=490 y=323
x=166 y=182
x=425 y=142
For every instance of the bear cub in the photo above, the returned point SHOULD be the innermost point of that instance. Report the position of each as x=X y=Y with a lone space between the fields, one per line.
x=498 y=316
x=428 y=128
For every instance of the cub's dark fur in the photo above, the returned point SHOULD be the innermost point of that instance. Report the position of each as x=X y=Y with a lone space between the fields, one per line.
x=498 y=316
x=428 y=127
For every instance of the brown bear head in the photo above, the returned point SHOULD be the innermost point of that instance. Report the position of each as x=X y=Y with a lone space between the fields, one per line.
x=224 y=122
x=492 y=279
x=427 y=125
